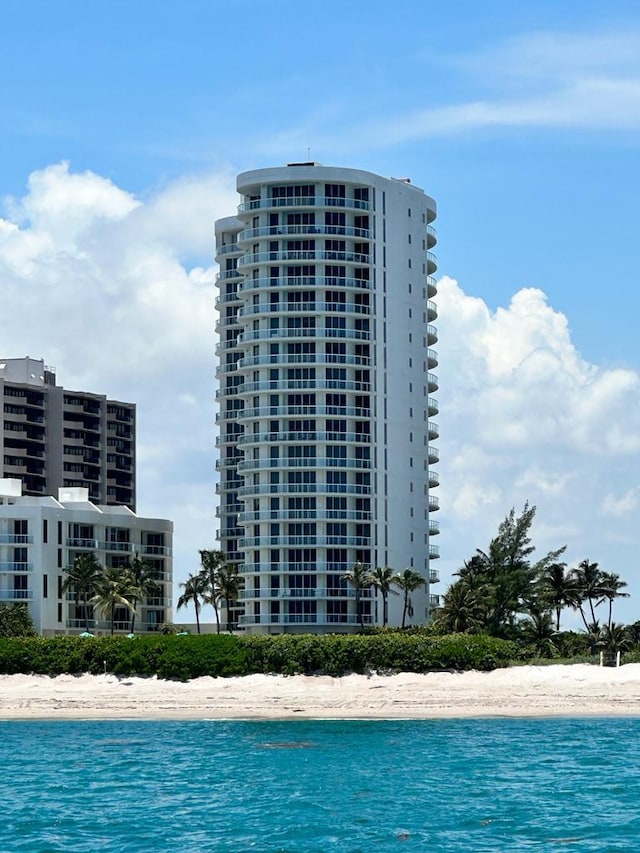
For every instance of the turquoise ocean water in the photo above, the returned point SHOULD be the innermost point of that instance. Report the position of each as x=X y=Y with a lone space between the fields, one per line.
x=296 y=787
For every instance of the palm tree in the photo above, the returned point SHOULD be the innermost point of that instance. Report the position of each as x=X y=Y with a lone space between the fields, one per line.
x=462 y=610
x=615 y=638
x=195 y=588
x=558 y=587
x=589 y=585
x=611 y=586
x=115 y=587
x=211 y=562
x=229 y=583
x=143 y=577
x=382 y=578
x=408 y=581
x=538 y=630
x=360 y=579
x=83 y=576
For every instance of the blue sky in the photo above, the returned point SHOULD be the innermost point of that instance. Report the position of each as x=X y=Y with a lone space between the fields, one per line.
x=123 y=125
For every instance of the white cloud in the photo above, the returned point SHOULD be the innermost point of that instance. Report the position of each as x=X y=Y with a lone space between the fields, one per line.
x=621 y=506
x=102 y=285
x=583 y=81
x=525 y=417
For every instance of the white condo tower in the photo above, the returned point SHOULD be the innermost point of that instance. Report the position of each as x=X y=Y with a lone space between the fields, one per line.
x=325 y=382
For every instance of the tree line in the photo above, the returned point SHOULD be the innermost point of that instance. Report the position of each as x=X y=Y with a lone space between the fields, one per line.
x=503 y=592
x=219 y=583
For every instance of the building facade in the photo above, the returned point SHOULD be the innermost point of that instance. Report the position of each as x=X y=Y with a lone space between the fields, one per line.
x=41 y=536
x=325 y=399
x=53 y=438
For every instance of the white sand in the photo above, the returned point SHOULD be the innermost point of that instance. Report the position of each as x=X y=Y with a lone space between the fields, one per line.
x=519 y=691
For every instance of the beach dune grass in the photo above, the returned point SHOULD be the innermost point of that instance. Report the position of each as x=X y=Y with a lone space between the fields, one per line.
x=181 y=658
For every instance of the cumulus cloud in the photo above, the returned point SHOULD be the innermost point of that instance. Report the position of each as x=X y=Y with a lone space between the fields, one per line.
x=117 y=293
x=525 y=418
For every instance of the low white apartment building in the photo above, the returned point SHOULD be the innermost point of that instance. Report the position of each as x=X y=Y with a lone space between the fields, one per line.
x=41 y=536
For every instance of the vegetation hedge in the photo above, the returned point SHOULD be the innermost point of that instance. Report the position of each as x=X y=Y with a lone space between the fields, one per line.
x=180 y=658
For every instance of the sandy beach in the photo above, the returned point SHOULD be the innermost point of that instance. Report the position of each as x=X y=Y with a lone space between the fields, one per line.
x=519 y=691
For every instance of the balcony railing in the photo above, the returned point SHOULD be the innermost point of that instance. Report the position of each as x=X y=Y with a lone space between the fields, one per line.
x=16 y=594
x=303 y=489
x=163 y=550
x=15 y=567
x=315 y=281
x=79 y=542
x=303 y=201
x=304 y=255
x=15 y=538
x=310 y=307
x=306 y=332
x=332 y=619
x=319 y=541
x=262 y=437
x=284 y=230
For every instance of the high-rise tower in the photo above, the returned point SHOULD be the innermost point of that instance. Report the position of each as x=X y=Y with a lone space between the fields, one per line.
x=325 y=383
x=54 y=439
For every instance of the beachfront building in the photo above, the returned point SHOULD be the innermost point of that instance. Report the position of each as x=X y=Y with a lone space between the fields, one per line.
x=325 y=399
x=41 y=536
x=53 y=438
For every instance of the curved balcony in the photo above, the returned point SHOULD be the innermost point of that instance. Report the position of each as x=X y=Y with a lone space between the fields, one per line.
x=306 y=229
x=284 y=333
x=432 y=237
x=434 y=601
x=293 y=437
x=432 y=358
x=432 y=287
x=269 y=386
x=434 y=503
x=432 y=382
x=432 y=263
x=333 y=621
x=303 y=514
x=226 y=298
x=302 y=307
x=314 y=462
x=434 y=430
x=432 y=406
x=227 y=275
x=304 y=281
x=303 y=201
x=432 y=335
x=319 y=541
x=433 y=576
x=226 y=323
x=434 y=455
x=300 y=412
x=434 y=528
x=228 y=249
x=432 y=310
x=317 y=566
x=251 y=490
x=304 y=255
x=434 y=480
x=434 y=552
x=302 y=358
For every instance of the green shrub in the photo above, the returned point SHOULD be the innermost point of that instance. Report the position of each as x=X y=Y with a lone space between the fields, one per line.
x=181 y=658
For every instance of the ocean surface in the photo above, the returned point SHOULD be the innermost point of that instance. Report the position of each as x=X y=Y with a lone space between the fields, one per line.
x=296 y=787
